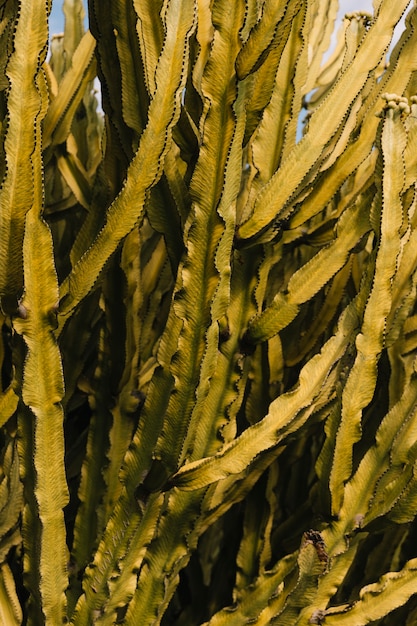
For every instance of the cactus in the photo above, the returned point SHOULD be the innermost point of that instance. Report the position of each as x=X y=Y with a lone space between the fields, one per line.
x=208 y=400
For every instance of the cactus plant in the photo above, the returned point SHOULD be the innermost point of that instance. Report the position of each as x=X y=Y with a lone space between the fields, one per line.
x=208 y=352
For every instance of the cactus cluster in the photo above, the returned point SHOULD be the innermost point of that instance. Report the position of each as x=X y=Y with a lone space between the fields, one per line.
x=208 y=402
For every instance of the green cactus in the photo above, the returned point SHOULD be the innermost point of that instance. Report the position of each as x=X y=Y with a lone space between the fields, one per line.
x=208 y=401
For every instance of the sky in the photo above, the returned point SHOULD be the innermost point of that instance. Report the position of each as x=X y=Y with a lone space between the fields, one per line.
x=348 y=6
x=56 y=19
